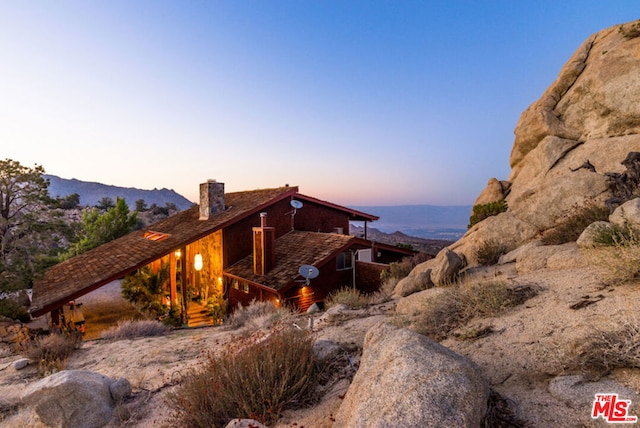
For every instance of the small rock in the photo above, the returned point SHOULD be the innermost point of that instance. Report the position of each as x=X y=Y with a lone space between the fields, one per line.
x=21 y=363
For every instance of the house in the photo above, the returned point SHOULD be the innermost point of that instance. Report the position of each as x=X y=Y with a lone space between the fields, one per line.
x=239 y=246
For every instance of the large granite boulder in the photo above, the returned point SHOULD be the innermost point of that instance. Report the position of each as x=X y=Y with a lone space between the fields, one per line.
x=574 y=146
x=408 y=380
x=76 y=398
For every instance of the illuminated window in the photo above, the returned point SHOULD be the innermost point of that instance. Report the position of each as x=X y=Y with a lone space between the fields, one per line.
x=234 y=284
x=245 y=287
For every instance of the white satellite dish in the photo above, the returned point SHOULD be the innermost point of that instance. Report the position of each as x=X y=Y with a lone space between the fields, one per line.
x=296 y=204
x=308 y=272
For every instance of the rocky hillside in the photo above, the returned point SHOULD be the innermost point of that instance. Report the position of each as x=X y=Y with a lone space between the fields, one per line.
x=429 y=246
x=91 y=193
x=545 y=335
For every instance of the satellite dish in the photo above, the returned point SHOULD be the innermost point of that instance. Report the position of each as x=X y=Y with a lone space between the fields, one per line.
x=296 y=204
x=308 y=271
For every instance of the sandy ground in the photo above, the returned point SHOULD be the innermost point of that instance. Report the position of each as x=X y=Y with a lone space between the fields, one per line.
x=530 y=346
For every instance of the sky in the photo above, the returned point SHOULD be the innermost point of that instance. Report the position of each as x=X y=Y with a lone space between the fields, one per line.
x=359 y=103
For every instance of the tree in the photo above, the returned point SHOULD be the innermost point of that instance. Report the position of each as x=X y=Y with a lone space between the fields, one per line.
x=141 y=205
x=98 y=228
x=145 y=289
x=105 y=203
x=25 y=222
x=69 y=202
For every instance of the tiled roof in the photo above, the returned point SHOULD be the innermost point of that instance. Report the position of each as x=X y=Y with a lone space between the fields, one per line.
x=294 y=249
x=88 y=271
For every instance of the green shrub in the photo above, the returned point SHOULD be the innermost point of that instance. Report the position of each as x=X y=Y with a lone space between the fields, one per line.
x=631 y=31
x=569 y=227
x=460 y=303
x=12 y=309
x=258 y=381
x=129 y=329
x=489 y=252
x=482 y=211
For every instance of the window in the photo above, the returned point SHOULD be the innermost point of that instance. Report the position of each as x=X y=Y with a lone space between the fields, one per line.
x=343 y=261
x=245 y=287
x=234 y=284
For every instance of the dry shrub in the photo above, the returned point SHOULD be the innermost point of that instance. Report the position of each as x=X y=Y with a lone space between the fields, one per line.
x=489 y=252
x=604 y=351
x=399 y=270
x=461 y=302
x=501 y=413
x=129 y=329
x=52 y=352
x=258 y=381
x=569 y=227
x=258 y=315
x=620 y=261
x=349 y=296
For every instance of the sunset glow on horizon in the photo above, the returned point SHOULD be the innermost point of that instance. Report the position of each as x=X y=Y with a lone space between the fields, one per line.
x=360 y=103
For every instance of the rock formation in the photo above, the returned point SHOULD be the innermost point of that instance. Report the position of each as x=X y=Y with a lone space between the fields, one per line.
x=577 y=143
x=76 y=398
x=407 y=380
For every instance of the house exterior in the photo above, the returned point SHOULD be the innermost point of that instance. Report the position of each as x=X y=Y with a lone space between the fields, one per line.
x=237 y=246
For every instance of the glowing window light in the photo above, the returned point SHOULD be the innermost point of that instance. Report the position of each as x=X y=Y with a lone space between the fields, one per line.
x=197 y=262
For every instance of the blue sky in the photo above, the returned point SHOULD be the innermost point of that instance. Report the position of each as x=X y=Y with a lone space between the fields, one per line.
x=357 y=102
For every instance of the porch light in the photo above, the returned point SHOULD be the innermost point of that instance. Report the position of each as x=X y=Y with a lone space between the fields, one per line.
x=197 y=262
x=178 y=254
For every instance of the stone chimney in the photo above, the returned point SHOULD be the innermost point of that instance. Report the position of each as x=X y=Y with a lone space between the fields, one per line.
x=211 y=199
x=264 y=247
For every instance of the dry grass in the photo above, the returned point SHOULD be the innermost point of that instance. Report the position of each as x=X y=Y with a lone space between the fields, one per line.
x=52 y=352
x=128 y=329
x=604 y=351
x=462 y=302
x=620 y=261
x=258 y=378
x=258 y=315
x=489 y=252
x=569 y=227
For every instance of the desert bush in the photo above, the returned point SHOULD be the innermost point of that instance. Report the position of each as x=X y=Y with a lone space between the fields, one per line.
x=481 y=211
x=52 y=352
x=258 y=381
x=129 y=329
x=461 y=302
x=258 y=315
x=620 y=261
x=489 y=252
x=604 y=351
x=569 y=227
x=14 y=310
x=349 y=296
x=401 y=269
x=630 y=31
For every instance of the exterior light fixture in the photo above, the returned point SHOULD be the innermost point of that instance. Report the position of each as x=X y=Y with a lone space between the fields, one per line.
x=178 y=254
x=197 y=262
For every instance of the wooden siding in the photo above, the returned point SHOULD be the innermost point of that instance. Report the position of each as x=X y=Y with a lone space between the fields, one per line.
x=330 y=279
x=314 y=217
x=238 y=237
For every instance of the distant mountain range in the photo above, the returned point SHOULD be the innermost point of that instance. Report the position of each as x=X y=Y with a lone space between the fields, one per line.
x=424 y=221
x=91 y=193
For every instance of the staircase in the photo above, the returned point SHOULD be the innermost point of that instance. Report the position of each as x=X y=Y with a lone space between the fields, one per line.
x=198 y=316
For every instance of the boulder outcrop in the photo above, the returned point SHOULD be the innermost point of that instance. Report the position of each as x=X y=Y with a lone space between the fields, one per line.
x=406 y=379
x=577 y=144
x=76 y=398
